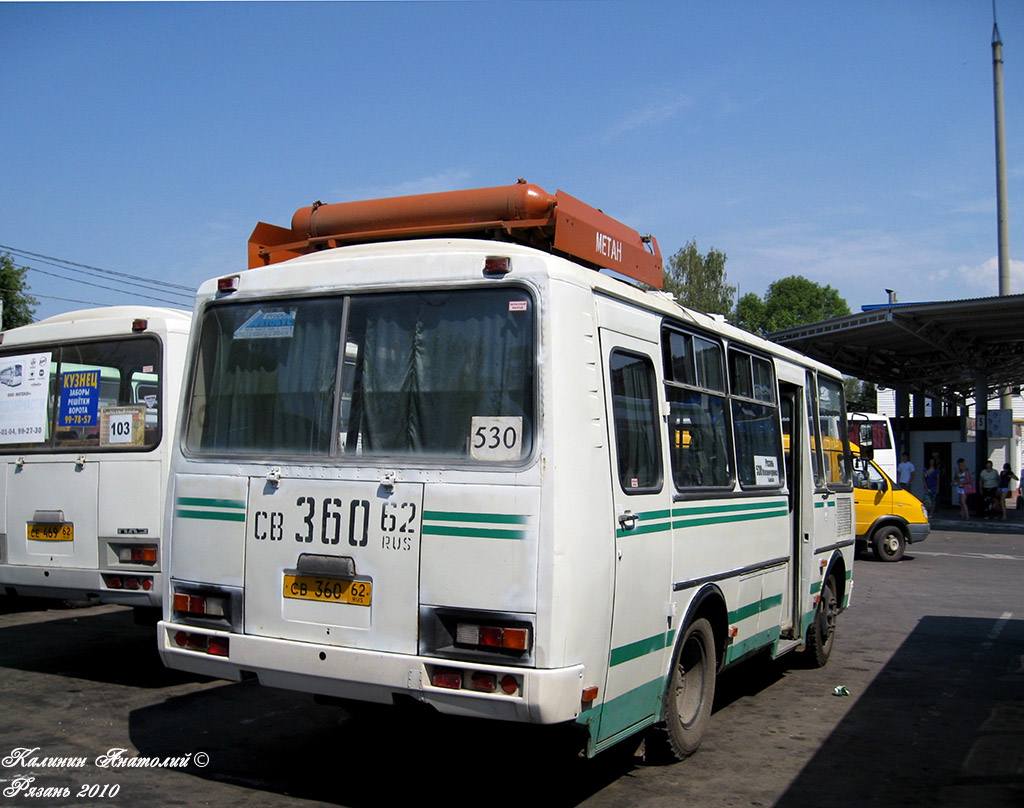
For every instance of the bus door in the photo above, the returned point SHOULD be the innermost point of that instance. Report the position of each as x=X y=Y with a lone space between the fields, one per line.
x=641 y=620
x=798 y=478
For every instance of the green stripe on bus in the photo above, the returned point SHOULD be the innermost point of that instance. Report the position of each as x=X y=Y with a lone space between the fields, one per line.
x=212 y=503
x=635 y=650
x=655 y=527
x=741 y=506
x=752 y=609
x=472 y=532
x=456 y=516
x=219 y=516
x=752 y=643
x=640 y=705
x=727 y=518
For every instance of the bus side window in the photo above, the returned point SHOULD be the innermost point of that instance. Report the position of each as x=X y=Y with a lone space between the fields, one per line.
x=697 y=425
x=755 y=415
x=634 y=409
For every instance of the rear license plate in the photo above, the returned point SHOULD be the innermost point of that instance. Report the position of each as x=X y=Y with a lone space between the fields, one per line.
x=65 y=532
x=327 y=590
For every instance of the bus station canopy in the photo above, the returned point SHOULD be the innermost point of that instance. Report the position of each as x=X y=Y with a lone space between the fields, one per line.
x=942 y=350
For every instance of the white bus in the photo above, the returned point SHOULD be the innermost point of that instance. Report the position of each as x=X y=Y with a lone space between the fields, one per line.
x=872 y=432
x=84 y=443
x=488 y=478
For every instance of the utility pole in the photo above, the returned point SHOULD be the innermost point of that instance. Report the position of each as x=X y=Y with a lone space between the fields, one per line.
x=1006 y=398
x=1004 y=227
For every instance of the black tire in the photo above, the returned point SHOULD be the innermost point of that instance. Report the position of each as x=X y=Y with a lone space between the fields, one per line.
x=689 y=697
x=889 y=543
x=821 y=635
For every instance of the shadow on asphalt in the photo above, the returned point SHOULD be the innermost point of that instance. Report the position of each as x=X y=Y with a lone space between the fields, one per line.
x=106 y=647
x=941 y=725
x=285 y=743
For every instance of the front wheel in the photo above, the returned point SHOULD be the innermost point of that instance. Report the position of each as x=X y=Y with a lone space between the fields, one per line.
x=688 y=700
x=890 y=544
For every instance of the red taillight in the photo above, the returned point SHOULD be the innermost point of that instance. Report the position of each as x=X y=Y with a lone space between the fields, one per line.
x=136 y=553
x=488 y=682
x=514 y=639
x=447 y=677
x=206 y=605
x=490 y=635
x=131 y=583
x=509 y=683
x=114 y=582
x=193 y=604
x=216 y=646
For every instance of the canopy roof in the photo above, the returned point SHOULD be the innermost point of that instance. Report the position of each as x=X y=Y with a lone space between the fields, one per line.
x=939 y=349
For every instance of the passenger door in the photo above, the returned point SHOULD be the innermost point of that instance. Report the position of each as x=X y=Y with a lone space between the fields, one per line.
x=641 y=619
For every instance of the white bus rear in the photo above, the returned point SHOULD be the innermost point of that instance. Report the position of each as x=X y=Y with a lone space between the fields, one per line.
x=483 y=477
x=85 y=425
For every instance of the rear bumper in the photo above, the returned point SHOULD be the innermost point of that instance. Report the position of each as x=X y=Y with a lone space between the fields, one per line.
x=76 y=584
x=545 y=696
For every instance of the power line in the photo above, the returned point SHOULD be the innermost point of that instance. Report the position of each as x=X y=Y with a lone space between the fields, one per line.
x=135 y=280
x=110 y=288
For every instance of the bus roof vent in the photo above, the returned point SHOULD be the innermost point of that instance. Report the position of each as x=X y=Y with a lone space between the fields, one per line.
x=525 y=213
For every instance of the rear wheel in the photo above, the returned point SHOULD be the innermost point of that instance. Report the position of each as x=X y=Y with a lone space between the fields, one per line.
x=822 y=633
x=688 y=700
x=890 y=543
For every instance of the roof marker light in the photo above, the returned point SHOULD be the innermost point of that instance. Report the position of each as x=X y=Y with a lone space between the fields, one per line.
x=228 y=284
x=140 y=324
x=496 y=265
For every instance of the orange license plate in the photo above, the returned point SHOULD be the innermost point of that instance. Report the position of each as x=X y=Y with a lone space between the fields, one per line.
x=64 y=532
x=328 y=590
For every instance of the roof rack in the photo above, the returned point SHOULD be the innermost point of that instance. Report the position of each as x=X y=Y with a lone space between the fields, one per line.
x=525 y=213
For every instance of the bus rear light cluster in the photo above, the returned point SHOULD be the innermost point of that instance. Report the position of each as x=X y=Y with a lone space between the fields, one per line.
x=216 y=646
x=136 y=553
x=481 y=681
x=131 y=582
x=208 y=605
x=513 y=639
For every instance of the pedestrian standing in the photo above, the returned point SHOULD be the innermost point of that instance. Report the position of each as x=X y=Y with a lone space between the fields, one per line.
x=1004 y=486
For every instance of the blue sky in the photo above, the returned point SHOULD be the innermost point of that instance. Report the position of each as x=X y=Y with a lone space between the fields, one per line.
x=852 y=143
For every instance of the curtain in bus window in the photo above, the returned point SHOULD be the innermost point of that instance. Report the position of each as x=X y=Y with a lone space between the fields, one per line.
x=636 y=432
x=266 y=378
x=432 y=362
x=697 y=444
x=758 y=444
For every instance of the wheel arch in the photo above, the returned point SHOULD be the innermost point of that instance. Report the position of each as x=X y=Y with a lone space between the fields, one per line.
x=837 y=568
x=889 y=520
x=709 y=603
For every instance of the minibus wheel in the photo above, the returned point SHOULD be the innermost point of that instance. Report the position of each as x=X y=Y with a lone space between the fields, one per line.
x=688 y=699
x=889 y=543
x=822 y=632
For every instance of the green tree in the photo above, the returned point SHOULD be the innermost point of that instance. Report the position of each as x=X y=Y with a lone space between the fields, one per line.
x=860 y=396
x=789 y=302
x=698 y=281
x=19 y=305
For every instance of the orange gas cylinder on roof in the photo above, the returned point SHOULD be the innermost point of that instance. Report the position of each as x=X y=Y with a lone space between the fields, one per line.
x=522 y=212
